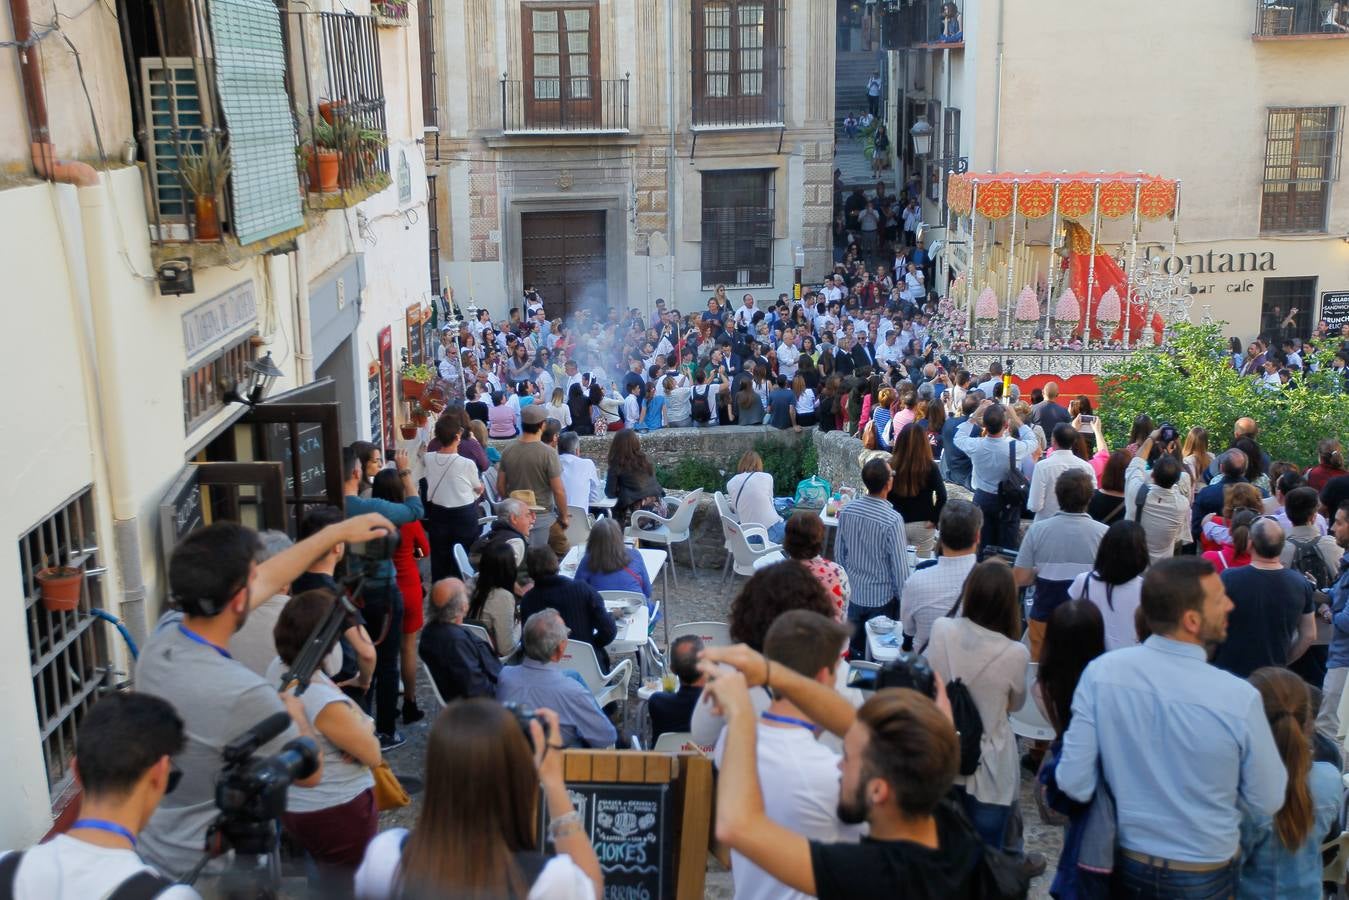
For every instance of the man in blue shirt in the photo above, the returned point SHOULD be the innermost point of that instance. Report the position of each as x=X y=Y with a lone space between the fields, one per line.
x=872 y=549
x=990 y=460
x=1184 y=747
x=540 y=681
x=383 y=608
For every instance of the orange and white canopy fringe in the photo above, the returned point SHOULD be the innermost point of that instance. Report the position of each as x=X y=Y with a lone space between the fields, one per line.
x=1034 y=194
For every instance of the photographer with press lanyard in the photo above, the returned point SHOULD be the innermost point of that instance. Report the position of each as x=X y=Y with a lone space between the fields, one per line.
x=123 y=768
x=477 y=832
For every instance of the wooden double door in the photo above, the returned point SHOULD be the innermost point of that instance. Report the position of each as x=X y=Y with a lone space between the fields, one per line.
x=564 y=258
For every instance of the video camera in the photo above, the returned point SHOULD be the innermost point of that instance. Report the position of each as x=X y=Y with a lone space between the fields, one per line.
x=251 y=795
x=907 y=670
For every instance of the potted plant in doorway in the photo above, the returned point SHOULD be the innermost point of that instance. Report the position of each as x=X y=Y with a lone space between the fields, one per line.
x=203 y=174
x=59 y=587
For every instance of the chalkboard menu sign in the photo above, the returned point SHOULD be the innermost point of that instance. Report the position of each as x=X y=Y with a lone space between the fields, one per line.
x=648 y=816
x=386 y=387
x=1335 y=309
x=311 y=469
x=416 y=350
x=629 y=827
x=430 y=339
x=180 y=511
x=376 y=406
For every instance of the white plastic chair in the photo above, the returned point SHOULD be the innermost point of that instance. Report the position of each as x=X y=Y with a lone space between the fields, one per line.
x=669 y=531
x=724 y=511
x=743 y=556
x=712 y=634
x=435 y=689
x=1028 y=721
x=466 y=570
x=607 y=687
x=578 y=529
x=479 y=632
x=677 y=742
x=485 y=524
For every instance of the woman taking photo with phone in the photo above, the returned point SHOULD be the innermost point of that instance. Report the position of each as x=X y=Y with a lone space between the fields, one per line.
x=475 y=836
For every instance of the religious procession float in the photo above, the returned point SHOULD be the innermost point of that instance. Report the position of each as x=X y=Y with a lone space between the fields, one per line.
x=1050 y=271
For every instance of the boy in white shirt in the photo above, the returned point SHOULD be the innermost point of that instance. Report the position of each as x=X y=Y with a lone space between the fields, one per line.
x=122 y=764
x=632 y=406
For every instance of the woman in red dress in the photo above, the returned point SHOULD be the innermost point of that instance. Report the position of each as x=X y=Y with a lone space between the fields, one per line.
x=412 y=545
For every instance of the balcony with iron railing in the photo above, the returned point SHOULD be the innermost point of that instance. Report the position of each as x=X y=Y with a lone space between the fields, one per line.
x=935 y=24
x=571 y=105
x=1300 y=20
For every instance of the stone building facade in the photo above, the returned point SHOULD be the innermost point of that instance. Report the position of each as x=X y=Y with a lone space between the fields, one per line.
x=614 y=152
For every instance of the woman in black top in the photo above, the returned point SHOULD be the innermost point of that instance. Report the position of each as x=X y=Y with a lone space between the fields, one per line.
x=475 y=407
x=1107 y=504
x=806 y=369
x=578 y=401
x=631 y=479
x=918 y=493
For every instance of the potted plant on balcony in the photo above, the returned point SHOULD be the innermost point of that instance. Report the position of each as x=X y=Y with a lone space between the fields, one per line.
x=415 y=379
x=204 y=174
x=59 y=587
x=323 y=158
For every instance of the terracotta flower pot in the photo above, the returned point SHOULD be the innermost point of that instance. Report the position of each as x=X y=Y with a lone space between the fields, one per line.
x=412 y=389
x=323 y=168
x=208 y=219
x=409 y=432
x=60 y=588
x=326 y=108
x=420 y=419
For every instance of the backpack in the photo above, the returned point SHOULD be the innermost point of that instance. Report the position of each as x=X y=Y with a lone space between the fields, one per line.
x=144 y=885
x=812 y=492
x=702 y=410
x=998 y=875
x=969 y=726
x=1308 y=560
x=1013 y=489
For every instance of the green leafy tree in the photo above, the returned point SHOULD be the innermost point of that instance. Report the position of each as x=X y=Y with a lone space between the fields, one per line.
x=1191 y=382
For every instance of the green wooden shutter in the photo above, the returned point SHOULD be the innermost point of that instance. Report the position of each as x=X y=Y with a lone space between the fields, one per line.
x=250 y=59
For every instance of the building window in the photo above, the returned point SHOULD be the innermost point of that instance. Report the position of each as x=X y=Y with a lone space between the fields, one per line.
x=1302 y=149
x=205 y=386
x=67 y=651
x=737 y=59
x=1285 y=297
x=738 y=227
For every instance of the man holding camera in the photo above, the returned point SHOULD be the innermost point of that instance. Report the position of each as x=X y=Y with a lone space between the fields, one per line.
x=215 y=583
x=122 y=765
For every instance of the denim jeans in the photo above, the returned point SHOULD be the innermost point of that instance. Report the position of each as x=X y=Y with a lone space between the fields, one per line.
x=989 y=820
x=859 y=616
x=1136 y=880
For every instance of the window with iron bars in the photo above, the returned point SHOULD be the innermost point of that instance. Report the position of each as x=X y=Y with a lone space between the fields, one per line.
x=1302 y=159
x=205 y=386
x=68 y=650
x=738 y=56
x=738 y=227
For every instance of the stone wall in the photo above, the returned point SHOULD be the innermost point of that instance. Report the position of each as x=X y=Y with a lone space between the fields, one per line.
x=667 y=446
x=838 y=452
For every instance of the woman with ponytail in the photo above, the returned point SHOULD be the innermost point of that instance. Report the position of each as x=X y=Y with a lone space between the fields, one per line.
x=1330 y=464
x=1281 y=856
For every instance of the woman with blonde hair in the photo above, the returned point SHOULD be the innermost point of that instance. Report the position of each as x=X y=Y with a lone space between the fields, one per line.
x=557 y=409
x=750 y=492
x=1214 y=530
x=1281 y=855
x=1196 y=458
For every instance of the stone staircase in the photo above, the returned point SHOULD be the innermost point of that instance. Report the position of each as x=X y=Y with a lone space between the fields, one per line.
x=851 y=72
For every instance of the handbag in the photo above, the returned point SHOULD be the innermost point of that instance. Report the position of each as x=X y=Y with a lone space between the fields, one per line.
x=389 y=792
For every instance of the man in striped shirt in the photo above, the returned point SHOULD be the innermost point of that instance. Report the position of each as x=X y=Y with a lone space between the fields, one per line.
x=871 y=548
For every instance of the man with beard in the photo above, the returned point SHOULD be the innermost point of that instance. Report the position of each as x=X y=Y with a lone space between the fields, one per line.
x=900 y=756
x=1184 y=747
x=799 y=774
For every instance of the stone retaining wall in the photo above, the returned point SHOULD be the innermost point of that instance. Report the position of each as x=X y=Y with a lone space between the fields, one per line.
x=666 y=446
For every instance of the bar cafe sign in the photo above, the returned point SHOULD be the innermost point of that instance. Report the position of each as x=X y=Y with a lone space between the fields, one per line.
x=224 y=316
x=1215 y=262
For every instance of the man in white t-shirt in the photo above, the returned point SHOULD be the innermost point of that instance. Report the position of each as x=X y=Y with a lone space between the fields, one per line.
x=122 y=765
x=788 y=355
x=744 y=316
x=799 y=775
x=833 y=290
x=579 y=476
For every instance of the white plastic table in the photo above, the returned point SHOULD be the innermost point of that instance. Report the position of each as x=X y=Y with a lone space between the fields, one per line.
x=884 y=647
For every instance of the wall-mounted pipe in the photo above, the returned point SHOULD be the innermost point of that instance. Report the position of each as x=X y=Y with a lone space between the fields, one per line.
x=45 y=161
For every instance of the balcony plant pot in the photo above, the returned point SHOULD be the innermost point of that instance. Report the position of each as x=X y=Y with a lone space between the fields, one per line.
x=208 y=218
x=60 y=588
x=420 y=418
x=323 y=169
x=409 y=432
x=412 y=388
x=326 y=108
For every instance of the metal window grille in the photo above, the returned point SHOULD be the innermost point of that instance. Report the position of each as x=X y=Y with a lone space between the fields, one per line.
x=1302 y=158
x=738 y=227
x=1280 y=18
x=1286 y=295
x=356 y=88
x=433 y=231
x=738 y=58
x=67 y=651
x=205 y=386
x=172 y=99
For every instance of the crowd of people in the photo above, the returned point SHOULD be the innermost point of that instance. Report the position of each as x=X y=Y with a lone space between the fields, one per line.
x=1176 y=609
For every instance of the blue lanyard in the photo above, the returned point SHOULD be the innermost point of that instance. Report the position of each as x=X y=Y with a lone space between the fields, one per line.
x=789 y=720
x=193 y=636
x=105 y=825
